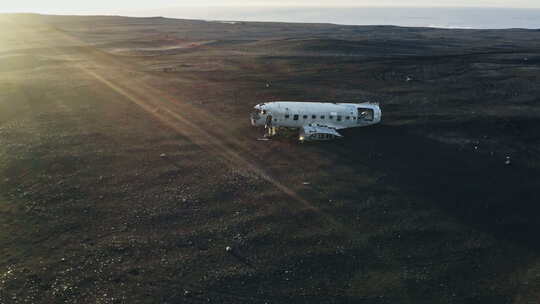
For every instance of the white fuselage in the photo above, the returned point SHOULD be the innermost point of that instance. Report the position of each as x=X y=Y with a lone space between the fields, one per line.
x=293 y=114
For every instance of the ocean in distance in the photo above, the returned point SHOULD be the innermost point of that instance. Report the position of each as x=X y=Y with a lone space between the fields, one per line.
x=471 y=18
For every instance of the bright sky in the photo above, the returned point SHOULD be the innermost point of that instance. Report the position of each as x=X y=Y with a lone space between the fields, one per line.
x=117 y=6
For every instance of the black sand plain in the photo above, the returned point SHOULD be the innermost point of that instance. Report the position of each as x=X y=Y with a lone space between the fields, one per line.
x=128 y=165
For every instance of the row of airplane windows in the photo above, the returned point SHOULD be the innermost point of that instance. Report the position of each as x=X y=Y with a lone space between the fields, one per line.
x=321 y=136
x=338 y=117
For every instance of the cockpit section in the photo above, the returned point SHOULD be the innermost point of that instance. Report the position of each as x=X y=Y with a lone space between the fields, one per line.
x=255 y=115
x=259 y=115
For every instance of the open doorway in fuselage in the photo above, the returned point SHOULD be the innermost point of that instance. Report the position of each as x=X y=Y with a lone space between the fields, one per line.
x=268 y=121
x=365 y=115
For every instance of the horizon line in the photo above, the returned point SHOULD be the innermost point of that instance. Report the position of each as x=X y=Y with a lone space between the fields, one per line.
x=119 y=12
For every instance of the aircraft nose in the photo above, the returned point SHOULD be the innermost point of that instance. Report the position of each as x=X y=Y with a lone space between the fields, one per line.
x=253 y=118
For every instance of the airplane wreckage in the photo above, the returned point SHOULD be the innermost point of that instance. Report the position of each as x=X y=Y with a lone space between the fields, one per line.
x=315 y=121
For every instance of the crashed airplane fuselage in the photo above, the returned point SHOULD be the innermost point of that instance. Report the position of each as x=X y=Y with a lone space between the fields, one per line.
x=316 y=121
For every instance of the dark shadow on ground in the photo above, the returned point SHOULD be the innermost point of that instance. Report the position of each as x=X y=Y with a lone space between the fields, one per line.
x=476 y=188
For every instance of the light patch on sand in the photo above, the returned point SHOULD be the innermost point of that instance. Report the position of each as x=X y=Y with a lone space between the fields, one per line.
x=170 y=47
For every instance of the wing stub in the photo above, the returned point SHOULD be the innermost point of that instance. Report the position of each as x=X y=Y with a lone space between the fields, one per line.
x=317 y=133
